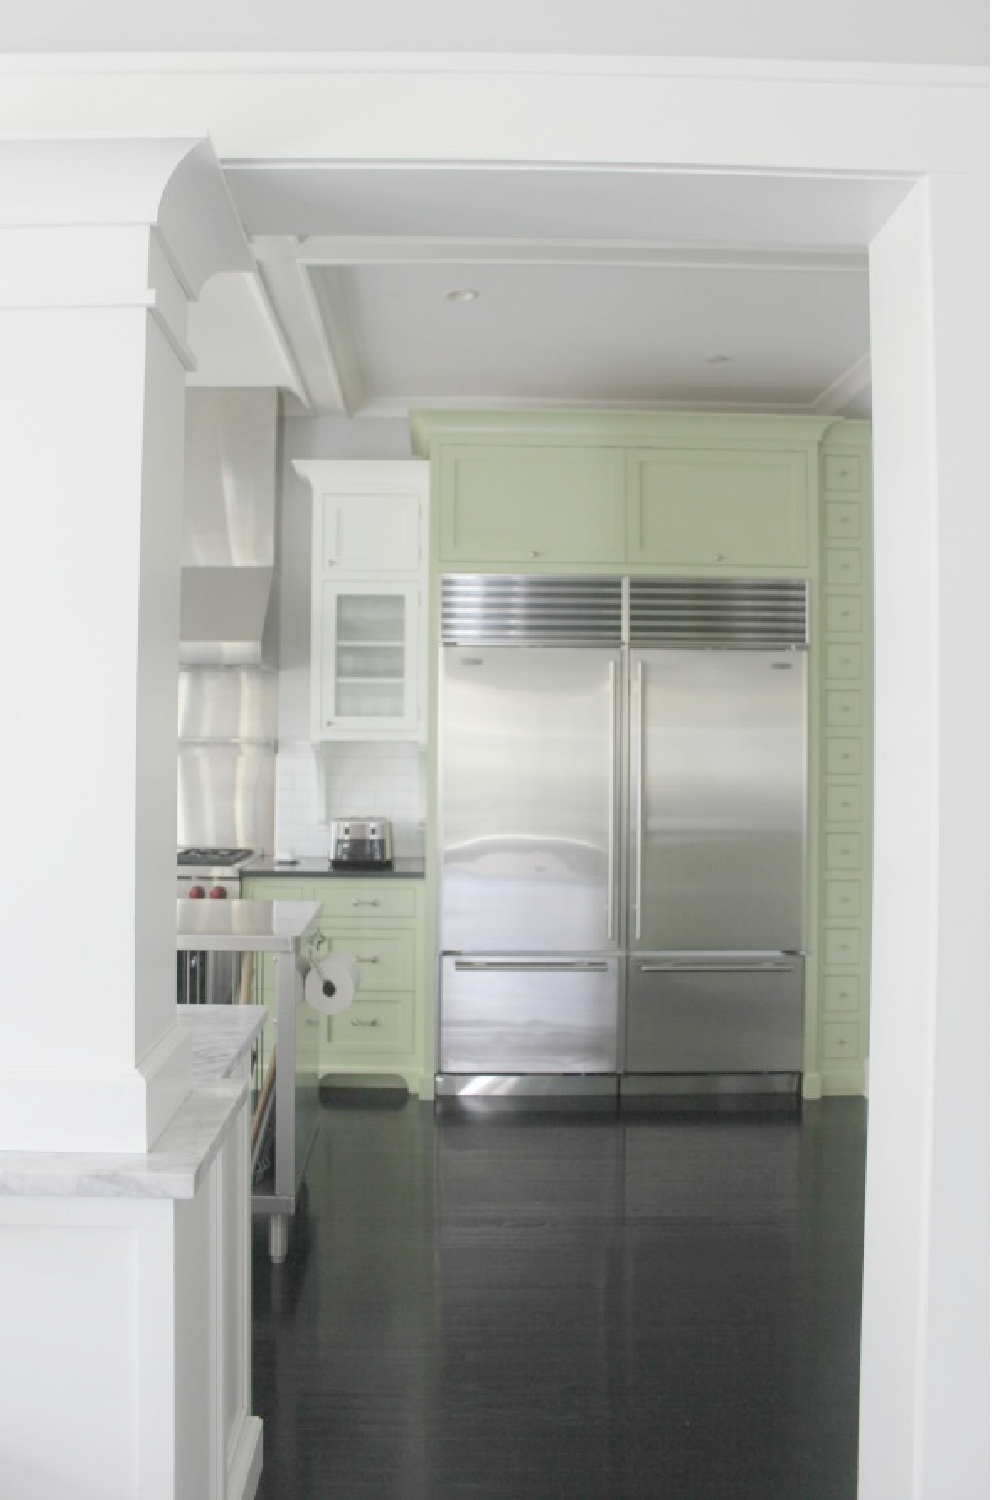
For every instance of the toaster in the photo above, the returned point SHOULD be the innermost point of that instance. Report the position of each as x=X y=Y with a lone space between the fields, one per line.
x=361 y=842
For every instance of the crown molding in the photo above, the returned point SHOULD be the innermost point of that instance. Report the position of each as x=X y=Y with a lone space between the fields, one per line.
x=172 y=185
x=514 y=64
x=347 y=250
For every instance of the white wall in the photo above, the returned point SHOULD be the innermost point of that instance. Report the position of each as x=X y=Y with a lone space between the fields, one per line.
x=363 y=778
x=853 y=30
x=924 y=1326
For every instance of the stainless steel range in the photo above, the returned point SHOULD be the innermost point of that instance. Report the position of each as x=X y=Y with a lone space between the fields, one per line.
x=211 y=874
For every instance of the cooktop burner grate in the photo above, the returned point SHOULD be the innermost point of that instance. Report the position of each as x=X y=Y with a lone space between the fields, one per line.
x=213 y=856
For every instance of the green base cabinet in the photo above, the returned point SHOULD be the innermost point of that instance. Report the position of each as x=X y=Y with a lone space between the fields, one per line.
x=380 y=922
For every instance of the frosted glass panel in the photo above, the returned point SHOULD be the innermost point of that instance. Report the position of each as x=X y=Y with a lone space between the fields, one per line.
x=369 y=700
x=371 y=617
x=370 y=661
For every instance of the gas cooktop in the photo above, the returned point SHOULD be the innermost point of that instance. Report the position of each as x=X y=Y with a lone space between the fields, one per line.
x=232 y=858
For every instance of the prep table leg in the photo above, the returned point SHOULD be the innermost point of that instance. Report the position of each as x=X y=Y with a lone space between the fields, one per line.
x=278 y=1238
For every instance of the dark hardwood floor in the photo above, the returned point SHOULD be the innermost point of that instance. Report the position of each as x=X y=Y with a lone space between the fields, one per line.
x=588 y=1308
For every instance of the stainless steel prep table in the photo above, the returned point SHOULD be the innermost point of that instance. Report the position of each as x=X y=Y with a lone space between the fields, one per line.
x=286 y=929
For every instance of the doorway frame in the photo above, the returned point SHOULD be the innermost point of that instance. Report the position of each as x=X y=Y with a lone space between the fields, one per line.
x=924 y=1368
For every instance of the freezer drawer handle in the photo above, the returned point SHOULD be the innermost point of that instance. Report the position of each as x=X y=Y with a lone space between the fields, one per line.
x=583 y=967
x=770 y=968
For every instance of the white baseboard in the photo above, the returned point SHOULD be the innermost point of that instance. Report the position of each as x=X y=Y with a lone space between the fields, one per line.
x=812 y=1086
x=846 y=1081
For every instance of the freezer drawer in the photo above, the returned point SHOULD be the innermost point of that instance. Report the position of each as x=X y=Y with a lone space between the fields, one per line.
x=714 y=1013
x=512 y=1014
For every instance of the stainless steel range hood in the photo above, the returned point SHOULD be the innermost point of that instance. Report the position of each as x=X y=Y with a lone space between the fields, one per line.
x=228 y=551
x=223 y=615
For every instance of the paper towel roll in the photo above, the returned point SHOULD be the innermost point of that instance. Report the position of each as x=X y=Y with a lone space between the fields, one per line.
x=332 y=983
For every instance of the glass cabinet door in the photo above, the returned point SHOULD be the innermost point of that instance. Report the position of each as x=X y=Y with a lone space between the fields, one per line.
x=367 y=658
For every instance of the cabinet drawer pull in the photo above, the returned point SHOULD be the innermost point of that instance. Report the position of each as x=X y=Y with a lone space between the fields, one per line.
x=365 y=1023
x=361 y=960
x=358 y=902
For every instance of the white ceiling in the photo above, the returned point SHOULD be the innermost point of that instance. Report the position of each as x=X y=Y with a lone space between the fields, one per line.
x=614 y=287
x=915 y=31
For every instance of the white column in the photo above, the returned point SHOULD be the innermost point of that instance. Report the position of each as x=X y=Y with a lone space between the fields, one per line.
x=924 y=1386
x=103 y=243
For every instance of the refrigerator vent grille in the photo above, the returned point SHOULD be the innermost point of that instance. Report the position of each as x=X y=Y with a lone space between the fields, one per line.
x=719 y=611
x=519 y=608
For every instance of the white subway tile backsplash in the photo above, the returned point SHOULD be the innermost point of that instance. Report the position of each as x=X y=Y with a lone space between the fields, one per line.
x=381 y=778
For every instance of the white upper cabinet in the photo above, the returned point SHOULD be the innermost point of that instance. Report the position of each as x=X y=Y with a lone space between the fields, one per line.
x=368 y=530
x=369 y=598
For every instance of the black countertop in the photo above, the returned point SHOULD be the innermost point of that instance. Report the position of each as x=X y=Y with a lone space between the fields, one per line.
x=412 y=868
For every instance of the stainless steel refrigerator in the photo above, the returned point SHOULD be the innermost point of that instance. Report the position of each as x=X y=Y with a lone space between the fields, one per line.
x=622 y=830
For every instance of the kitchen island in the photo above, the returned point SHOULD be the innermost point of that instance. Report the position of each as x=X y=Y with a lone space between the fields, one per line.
x=152 y=1295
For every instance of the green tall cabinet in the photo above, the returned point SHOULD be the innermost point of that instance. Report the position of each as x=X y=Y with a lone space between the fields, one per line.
x=702 y=494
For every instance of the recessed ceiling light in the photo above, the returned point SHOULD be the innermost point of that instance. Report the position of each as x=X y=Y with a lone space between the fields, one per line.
x=462 y=294
x=719 y=359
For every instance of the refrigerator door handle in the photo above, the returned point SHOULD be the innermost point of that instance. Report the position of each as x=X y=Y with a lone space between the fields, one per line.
x=612 y=797
x=639 y=732
x=768 y=966
x=528 y=966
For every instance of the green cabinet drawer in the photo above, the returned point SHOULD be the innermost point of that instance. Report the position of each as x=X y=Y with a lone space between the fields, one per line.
x=841 y=1041
x=261 y=888
x=842 y=945
x=382 y=1024
x=843 y=614
x=841 y=520
x=843 y=661
x=843 y=851
x=308 y=1036
x=531 y=504
x=843 y=804
x=383 y=954
x=843 y=756
x=379 y=899
x=843 y=706
x=842 y=471
x=841 y=992
x=745 y=507
x=842 y=898
x=843 y=566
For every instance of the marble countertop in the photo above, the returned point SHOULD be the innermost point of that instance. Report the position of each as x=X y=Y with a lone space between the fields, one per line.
x=177 y=1163
x=221 y=1037
x=245 y=926
x=406 y=867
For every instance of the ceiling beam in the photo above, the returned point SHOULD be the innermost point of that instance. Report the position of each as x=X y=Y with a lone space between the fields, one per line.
x=353 y=250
